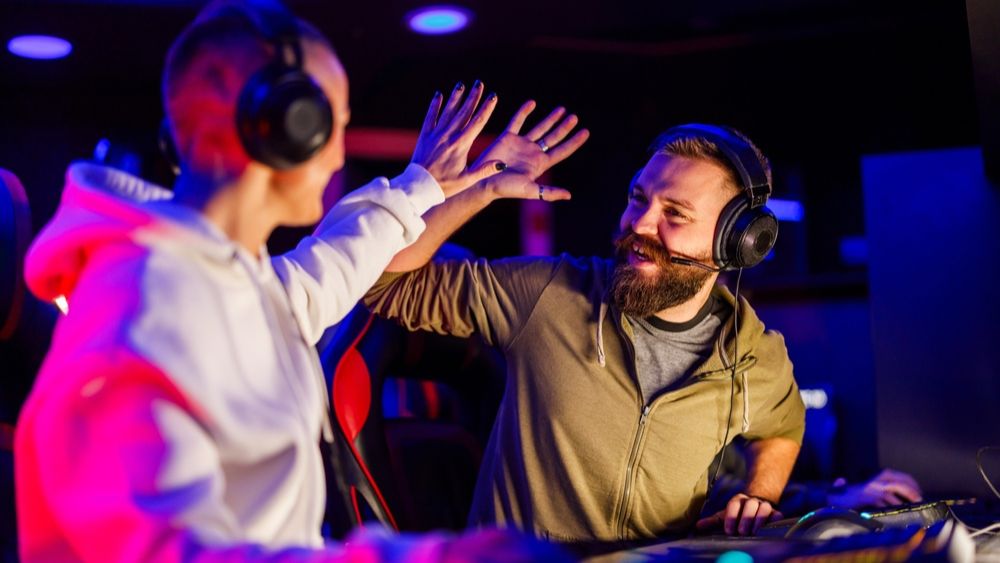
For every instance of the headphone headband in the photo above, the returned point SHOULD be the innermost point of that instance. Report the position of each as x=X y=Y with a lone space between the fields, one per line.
x=739 y=153
x=274 y=22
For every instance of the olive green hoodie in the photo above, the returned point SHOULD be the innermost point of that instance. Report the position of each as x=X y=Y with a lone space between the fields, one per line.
x=574 y=453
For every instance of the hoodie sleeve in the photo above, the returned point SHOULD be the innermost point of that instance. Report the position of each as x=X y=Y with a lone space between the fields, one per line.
x=461 y=297
x=120 y=467
x=780 y=412
x=328 y=272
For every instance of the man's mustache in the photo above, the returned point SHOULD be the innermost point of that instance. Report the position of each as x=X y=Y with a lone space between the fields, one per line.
x=625 y=240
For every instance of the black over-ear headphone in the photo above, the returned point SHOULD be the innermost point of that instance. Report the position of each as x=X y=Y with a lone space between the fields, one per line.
x=282 y=116
x=747 y=230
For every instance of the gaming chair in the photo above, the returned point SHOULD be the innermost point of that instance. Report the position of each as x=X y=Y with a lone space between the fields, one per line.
x=414 y=473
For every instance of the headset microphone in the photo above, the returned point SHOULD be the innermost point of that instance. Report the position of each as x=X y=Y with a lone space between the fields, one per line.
x=686 y=262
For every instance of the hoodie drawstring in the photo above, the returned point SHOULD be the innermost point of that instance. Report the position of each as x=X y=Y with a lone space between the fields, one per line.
x=603 y=312
x=746 y=403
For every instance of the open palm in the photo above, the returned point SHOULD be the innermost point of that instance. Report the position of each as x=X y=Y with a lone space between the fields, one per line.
x=525 y=154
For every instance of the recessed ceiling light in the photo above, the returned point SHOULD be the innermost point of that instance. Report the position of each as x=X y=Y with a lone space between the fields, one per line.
x=438 y=20
x=39 y=47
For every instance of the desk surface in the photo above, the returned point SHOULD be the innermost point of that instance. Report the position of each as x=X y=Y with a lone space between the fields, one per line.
x=899 y=539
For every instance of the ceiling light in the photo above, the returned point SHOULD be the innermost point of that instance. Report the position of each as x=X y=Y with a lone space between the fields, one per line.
x=39 y=47
x=438 y=20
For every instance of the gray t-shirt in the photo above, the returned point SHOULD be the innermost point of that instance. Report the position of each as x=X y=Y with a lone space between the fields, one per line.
x=666 y=353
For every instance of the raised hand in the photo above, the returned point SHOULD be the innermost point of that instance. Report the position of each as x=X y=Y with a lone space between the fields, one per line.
x=442 y=221
x=541 y=148
x=447 y=135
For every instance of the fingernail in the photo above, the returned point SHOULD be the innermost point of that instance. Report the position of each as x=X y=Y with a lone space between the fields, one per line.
x=437 y=94
x=491 y=97
x=501 y=166
x=477 y=84
x=460 y=86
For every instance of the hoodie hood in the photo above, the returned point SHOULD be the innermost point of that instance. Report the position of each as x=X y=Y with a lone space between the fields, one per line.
x=102 y=206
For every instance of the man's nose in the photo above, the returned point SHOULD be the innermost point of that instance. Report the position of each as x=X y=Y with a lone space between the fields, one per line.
x=646 y=223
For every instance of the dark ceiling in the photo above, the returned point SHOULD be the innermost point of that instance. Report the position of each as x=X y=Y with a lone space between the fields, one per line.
x=818 y=84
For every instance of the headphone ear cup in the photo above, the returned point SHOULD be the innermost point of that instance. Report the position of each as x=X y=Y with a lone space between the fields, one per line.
x=757 y=231
x=744 y=235
x=723 y=229
x=283 y=117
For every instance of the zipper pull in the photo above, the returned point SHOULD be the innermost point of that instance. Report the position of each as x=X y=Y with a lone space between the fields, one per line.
x=645 y=413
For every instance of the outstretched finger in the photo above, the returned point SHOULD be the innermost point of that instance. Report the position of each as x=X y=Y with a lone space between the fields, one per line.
x=478 y=121
x=565 y=150
x=552 y=193
x=464 y=113
x=553 y=137
x=430 y=120
x=544 y=125
x=519 y=118
x=452 y=105
x=483 y=171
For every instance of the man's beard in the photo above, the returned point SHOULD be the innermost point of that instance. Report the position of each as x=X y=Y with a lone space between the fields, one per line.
x=639 y=294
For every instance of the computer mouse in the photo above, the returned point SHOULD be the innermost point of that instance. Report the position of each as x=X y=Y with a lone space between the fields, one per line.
x=831 y=522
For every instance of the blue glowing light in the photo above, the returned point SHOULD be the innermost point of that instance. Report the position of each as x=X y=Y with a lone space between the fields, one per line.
x=735 y=557
x=101 y=150
x=438 y=20
x=854 y=251
x=786 y=209
x=39 y=47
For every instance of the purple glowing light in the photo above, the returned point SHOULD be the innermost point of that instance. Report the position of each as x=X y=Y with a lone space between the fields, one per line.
x=438 y=20
x=787 y=209
x=43 y=47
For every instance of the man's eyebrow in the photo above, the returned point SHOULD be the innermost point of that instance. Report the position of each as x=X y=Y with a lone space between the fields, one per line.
x=682 y=203
x=679 y=202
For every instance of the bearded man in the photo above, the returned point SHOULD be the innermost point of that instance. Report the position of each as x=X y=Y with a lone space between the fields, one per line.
x=625 y=376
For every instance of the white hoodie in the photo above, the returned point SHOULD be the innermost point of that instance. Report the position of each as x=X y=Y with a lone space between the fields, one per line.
x=181 y=403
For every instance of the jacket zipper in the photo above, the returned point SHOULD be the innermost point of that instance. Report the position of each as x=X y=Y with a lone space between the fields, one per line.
x=633 y=459
x=633 y=463
x=644 y=412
